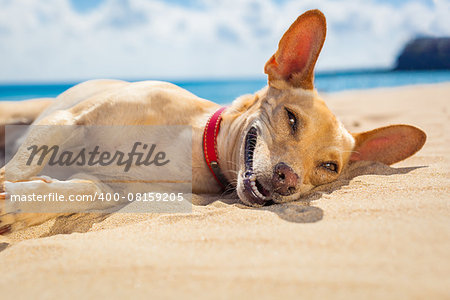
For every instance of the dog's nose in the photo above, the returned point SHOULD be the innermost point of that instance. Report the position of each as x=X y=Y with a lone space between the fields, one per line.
x=284 y=179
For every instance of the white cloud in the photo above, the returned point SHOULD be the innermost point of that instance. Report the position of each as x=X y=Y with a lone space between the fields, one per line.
x=49 y=40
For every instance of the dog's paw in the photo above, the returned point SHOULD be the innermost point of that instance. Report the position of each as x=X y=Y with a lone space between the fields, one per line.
x=7 y=220
x=12 y=219
x=2 y=180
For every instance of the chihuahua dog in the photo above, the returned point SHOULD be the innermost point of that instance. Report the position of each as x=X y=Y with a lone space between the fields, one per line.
x=275 y=145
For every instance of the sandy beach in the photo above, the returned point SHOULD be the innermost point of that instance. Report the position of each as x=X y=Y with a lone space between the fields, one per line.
x=379 y=232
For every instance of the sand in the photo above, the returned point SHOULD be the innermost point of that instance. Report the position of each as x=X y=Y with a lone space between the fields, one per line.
x=380 y=232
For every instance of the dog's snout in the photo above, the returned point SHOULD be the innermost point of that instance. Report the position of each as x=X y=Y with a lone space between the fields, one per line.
x=284 y=179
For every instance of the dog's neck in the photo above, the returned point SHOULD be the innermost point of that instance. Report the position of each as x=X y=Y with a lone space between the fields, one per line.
x=231 y=134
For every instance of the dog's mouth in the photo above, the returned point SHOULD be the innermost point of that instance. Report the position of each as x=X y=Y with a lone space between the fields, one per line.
x=254 y=191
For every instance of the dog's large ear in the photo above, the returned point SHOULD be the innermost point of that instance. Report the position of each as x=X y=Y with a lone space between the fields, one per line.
x=389 y=144
x=298 y=51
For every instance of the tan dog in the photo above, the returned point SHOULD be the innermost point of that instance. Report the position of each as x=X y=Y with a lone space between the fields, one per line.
x=275 y=145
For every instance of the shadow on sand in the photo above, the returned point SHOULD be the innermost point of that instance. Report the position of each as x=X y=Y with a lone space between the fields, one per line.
x=301 y=211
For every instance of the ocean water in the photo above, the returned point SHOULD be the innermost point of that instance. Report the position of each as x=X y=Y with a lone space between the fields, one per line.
x=225 y=91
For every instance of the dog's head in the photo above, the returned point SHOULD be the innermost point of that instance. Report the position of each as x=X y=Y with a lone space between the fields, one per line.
x=291 y=140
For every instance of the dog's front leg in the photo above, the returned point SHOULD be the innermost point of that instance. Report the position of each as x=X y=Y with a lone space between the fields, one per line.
x=47 y=198
x=19 y=171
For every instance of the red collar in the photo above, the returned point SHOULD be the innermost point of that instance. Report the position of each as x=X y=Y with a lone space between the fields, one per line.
x=210 y=146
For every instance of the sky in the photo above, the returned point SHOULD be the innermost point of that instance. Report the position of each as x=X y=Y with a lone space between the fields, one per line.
x=74 y=40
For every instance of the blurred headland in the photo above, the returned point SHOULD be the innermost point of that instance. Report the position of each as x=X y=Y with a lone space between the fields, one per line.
x=425 y=53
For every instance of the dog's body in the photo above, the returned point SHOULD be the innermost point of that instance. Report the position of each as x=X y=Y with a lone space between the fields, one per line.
x=275 y=145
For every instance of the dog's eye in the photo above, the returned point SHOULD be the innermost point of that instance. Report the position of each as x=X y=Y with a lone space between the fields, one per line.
x=292 y=120
x=330 y=166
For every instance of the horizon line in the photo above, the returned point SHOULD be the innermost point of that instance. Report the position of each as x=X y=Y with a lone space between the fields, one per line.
x=186 y=80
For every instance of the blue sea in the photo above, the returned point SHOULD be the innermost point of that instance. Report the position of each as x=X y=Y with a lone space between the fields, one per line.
x=225 y=91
